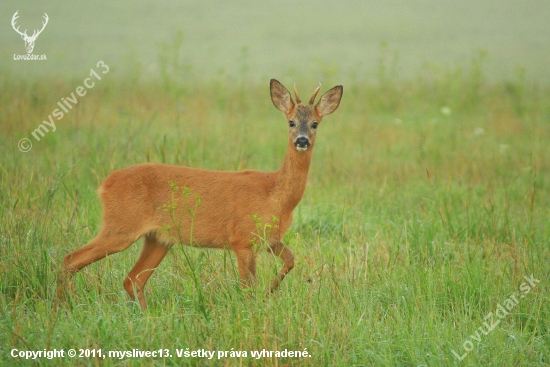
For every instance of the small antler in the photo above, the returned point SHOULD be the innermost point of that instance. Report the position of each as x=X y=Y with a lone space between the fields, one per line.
x=13 y=19
x=298 y=100
x=312 y=99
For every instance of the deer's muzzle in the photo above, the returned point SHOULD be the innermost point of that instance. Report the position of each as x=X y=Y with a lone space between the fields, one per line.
x=302 y=143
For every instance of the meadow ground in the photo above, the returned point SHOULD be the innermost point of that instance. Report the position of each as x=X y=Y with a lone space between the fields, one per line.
x=426 y=209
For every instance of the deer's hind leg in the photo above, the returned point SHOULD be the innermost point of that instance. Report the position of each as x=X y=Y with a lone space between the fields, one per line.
x=108 y=241
x=152 y=254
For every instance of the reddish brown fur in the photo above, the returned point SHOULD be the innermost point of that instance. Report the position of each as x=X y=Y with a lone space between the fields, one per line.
x=133 y=198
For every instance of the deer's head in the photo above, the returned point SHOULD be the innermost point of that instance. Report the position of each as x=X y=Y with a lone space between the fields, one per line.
x=29 y=40
x=303 y=120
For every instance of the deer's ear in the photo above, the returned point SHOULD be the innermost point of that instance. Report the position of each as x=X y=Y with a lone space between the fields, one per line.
x=281 y=96
x=329 y=101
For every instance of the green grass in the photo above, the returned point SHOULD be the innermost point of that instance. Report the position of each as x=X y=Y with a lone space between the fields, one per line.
x=426 y=206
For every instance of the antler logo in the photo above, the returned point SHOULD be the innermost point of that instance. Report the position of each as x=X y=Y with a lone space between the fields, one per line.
x=29 y=40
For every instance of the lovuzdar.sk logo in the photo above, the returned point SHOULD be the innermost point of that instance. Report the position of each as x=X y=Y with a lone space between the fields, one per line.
x=29 y=40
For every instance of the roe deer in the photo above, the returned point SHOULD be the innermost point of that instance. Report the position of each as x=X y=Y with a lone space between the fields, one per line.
x=132 y=199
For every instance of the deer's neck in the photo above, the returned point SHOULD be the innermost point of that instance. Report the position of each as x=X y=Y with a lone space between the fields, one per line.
x=292 y=177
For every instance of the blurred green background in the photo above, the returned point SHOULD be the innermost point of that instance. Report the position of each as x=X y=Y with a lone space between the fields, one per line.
x=270 y=39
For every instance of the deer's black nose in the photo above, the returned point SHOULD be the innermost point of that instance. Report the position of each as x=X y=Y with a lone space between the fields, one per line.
x=302 y=142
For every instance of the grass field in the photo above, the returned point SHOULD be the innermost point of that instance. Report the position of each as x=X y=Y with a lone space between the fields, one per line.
x=427 y=206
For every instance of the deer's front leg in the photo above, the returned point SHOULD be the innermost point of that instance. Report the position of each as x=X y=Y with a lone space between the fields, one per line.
x=279 y=249
x=246 y=260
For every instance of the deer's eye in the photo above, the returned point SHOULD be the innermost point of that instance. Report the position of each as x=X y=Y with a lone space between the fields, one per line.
x=291 y=123
x=314 y=125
